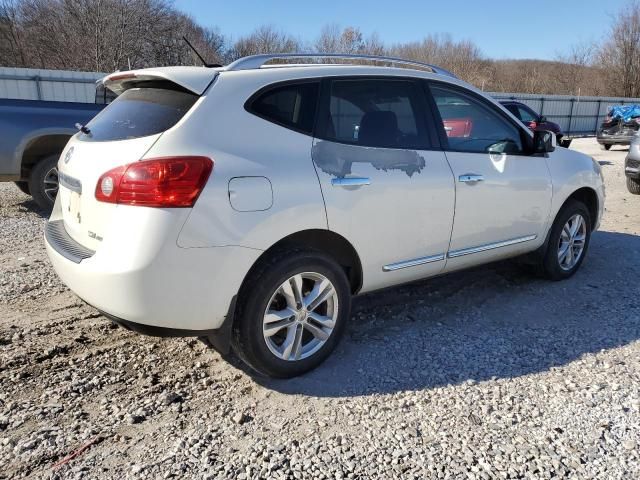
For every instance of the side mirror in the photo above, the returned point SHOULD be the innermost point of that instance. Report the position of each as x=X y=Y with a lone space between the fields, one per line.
x=544 y=141
x=542 y=119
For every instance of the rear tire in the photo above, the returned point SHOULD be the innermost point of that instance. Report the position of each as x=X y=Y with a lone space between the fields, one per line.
x=568 y=242
x=43 y=181
x=633 y=186
x=24 y=187
x=607 y=147
x=274 y=333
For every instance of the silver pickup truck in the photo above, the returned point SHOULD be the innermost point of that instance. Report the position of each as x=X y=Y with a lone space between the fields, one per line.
x=32 y=135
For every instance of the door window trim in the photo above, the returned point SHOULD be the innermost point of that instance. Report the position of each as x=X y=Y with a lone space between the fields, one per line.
x=428 y=127
x=525 y=135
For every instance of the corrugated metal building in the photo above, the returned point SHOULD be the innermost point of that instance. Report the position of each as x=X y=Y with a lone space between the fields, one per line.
x=52 y=85
x=578 y=116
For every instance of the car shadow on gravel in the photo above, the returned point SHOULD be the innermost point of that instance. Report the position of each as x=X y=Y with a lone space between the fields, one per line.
x=31 y=206
x=492 y=322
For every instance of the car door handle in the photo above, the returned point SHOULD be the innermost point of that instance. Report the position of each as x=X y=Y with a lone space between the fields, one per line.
x=470 y=178
x=350 y=181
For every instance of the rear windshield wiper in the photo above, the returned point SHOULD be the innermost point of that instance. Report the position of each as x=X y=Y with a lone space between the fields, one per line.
x=83 y=129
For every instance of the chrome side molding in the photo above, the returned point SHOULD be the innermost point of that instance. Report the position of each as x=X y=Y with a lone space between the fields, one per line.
x=490 y=246
x=413 y=263
x=456 y=253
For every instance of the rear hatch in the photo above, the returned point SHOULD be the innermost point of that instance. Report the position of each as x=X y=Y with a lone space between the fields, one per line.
x=121 y=134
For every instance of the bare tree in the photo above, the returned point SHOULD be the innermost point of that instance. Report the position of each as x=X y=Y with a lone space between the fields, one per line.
x=264 y=39
x=463 y=58
x=620 y=53
x=108 y=35
x=11 y=47
x=101 y=35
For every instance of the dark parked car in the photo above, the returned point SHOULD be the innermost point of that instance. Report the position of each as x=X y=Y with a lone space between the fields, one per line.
x=535 y=121
x=620 y=126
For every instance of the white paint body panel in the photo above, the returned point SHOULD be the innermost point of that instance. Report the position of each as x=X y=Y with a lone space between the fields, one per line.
x=511 y=202
x=400 y=216
x=180 y=268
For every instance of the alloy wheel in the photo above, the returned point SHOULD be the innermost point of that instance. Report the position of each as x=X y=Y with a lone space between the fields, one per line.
x=51 y=184
x=300 y=316
x=572 y=241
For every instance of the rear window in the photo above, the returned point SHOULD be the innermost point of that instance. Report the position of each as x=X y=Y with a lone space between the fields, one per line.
x=139 y=112
x=292 y=106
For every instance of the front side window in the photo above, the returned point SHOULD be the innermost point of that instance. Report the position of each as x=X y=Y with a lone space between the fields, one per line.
x=292 y=105
x=375 y=113
x=472 y=126
x=139 y=112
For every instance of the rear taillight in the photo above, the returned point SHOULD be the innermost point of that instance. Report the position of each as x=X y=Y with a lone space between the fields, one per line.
x=158 y=182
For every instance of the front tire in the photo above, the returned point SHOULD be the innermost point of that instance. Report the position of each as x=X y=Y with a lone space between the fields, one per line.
x=633 y=186
x=291 y=313
x=607 y=146
x=43 y=181
x=568 y=241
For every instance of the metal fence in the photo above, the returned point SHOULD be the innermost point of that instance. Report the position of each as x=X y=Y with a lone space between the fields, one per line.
x=578 y=116
x=53 y=85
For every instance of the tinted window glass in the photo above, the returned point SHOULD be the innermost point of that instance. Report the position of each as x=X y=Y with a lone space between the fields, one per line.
x=513 y=109
x=472 y=126
x=527 y=115
x=293 y=106
x=375 y=113
x=139 y=112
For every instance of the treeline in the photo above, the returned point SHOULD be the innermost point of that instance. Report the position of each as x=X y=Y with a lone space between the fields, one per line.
x=109 y=35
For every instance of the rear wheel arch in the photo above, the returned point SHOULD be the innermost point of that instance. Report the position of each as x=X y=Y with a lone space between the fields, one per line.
x=324 y=241
x=39 y=148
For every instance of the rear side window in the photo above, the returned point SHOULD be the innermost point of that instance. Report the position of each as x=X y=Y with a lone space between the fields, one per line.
x=375 y=113
x=139 y=112
x=292 y=105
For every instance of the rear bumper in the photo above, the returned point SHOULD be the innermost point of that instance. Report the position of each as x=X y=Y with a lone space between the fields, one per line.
x=604 y=139
x=160 y=287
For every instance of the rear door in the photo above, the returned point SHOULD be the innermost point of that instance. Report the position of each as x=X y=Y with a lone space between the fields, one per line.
x=122 y=133
x=503 y=195
x=387 y=189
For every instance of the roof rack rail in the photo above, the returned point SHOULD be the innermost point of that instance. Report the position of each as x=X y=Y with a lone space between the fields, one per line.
x=257 y=61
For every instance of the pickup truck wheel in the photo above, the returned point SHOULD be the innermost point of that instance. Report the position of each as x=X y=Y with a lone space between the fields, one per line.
x=24 y=187
x=568 y=241
x=607 y=147
x=43 y=181
x=291 y=313
x=633 y=186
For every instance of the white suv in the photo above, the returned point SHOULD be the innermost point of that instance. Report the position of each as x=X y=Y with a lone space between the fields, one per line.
x=247 y=204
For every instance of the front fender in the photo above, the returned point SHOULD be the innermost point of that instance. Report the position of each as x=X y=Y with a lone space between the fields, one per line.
x=571 y=171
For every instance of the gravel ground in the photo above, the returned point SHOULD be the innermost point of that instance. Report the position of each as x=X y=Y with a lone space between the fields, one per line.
x=488 y=373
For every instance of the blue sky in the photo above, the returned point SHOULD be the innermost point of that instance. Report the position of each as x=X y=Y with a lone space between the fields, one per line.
x=501 y=28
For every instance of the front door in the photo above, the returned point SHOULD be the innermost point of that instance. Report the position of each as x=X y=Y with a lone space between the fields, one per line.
x=503 y=196
x=385 y=189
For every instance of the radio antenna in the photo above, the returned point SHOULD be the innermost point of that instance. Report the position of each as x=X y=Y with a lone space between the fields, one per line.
x=208 y=65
